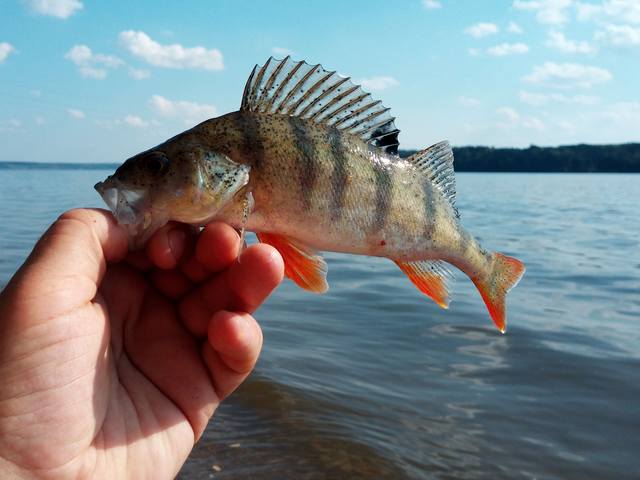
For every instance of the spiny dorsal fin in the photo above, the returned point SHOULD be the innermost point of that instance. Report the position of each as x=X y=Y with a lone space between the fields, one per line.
x=313 y=93
x=437 y=163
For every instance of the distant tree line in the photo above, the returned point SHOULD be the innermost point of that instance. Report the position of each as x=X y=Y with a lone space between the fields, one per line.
x=624 y=158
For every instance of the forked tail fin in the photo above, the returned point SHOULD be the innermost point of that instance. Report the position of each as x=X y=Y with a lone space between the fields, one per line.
x=506 y=273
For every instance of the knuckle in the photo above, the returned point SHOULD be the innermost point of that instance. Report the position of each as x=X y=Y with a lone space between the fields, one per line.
x=79 y=214
x=79 y=219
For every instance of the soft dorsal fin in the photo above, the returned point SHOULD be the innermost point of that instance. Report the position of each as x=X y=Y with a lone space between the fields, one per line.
x=313 y=93
x=437 y=163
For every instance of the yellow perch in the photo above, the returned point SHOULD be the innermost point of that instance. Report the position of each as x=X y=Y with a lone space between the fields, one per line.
x=310 y=163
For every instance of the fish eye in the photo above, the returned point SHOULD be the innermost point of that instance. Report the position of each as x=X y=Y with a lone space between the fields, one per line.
x=156 y=162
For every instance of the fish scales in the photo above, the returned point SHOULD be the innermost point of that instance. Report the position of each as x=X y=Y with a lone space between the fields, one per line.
x=311 y=181
x=309 y=163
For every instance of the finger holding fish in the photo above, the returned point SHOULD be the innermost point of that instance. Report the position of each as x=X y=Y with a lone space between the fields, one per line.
x=243 y=286
x=169 y=244
x=227 y=245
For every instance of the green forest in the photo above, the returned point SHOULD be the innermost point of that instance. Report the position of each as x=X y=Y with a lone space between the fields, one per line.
x=624 y=158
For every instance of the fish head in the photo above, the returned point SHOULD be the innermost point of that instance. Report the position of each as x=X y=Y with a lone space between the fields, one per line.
x=177 y=181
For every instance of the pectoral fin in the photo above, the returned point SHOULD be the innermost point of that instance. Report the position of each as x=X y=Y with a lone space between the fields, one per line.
x=433 y=278
x=301 y=264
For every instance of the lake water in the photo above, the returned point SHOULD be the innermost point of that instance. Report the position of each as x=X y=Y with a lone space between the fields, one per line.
x=373 y=380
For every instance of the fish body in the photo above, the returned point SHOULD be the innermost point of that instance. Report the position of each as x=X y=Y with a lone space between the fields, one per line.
x=311 y=171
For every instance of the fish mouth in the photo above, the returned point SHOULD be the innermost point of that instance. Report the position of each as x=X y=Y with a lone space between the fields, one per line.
x=123 y=202
x=129 y=209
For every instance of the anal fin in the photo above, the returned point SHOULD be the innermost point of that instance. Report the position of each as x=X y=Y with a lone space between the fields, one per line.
x=301 y=264
x=433 y=278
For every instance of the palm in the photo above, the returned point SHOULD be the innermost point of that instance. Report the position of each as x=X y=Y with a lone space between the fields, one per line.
x=124 y=381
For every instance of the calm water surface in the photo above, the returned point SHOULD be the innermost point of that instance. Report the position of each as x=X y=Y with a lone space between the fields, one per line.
x=372 y=380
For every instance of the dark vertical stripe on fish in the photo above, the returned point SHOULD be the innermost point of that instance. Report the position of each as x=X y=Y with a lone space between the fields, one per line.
x=339 y=174
x=306 y=149
x=253 y=147
x=429 y=206
x=384 y=183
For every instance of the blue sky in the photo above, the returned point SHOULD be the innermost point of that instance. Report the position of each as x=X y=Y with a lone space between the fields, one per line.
x=96 y=81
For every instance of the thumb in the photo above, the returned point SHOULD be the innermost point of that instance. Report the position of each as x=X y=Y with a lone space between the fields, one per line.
x=67 y=264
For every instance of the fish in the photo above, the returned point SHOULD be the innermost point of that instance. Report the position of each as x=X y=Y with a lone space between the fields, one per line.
x=310 y=164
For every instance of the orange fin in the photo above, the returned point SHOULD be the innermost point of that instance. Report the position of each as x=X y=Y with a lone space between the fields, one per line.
x=506 y=273
x=301 y=264
x=433 y=278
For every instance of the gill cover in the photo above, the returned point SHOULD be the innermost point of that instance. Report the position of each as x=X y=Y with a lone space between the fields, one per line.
x=220 y=179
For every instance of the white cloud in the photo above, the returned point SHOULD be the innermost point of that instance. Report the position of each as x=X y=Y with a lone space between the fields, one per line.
x=190 y=112
x=558 y=41
x=55 y=8
x=513 y=27
x=468 y=101
x=588 y=11
x=40 y=120
x=507 y=49
x=560 y=12
x=378 y=83
x=509 y=114
x=481 y=29
x=82 y=55
x=281 y=51
x=541 y=99
x=92 y=72
x=550 y=12
x=142 y=46
x=619 y=36
x=139 y=74
x=509 y=118
x=36 y=93
x=627 y=11
x=566 y=125
x=135 y=121
x=107 y=123
x=568 y=75
x=534 y=123
x=5 y=50
x=92 y=65
x=75 y=113
x=13 y=125
x=624 y=113
x=431 y=4
x=500 y=50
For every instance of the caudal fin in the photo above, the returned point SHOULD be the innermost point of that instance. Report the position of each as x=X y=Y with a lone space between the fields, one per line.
x=506 y=273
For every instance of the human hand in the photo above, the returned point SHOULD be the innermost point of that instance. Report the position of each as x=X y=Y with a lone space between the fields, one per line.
x=112 y=363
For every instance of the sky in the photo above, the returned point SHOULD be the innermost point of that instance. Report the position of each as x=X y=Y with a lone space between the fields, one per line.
x=89 y=81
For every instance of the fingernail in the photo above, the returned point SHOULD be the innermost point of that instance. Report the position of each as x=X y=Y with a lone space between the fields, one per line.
x=177 y=239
